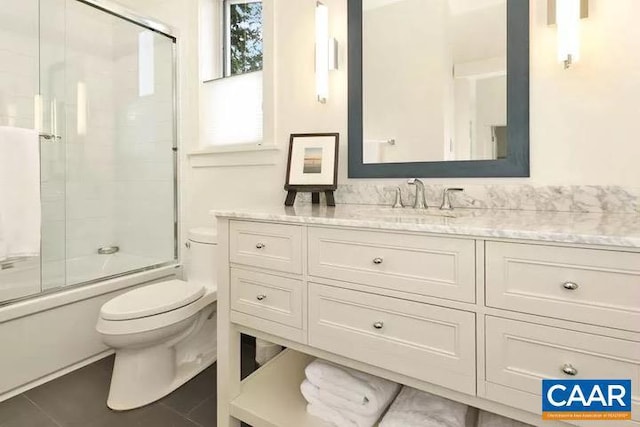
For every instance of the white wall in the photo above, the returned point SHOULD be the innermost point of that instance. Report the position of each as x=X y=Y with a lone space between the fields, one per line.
x=578 y=117
x=407 y=106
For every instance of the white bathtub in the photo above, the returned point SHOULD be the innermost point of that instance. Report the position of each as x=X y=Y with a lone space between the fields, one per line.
x=50 y=334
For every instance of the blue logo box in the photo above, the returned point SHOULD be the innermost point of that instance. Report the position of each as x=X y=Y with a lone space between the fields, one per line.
x=586 y=399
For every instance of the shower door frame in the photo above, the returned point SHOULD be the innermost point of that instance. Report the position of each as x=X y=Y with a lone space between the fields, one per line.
x=122 y=12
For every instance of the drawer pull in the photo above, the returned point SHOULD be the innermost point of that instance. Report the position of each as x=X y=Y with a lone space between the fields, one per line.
x=570 y=286
x=378 y=325
x=261 y=297
x=569 y=370
x=377 y=260
x=260 y=245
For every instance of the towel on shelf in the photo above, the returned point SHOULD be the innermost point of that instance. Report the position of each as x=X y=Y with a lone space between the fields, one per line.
x=19 y=193
x=349 y=389
x=336 y=416
x=414 y=408
x=330 y=415
x=488 y=419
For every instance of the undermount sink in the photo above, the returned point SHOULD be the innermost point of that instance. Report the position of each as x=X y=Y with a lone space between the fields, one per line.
x=401 y=213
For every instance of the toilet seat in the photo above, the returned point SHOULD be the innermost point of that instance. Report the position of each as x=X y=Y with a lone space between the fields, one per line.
x=152 y=300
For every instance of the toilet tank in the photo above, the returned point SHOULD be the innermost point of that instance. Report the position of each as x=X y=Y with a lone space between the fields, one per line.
x=200 y=266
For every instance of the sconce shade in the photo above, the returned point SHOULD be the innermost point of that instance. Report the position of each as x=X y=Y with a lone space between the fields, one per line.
x=566 y=14
x=322 y=52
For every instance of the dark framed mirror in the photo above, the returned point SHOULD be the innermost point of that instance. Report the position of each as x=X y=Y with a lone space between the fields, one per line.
x=438 y=88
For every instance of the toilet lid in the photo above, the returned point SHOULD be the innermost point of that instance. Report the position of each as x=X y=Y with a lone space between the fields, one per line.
x=152 y=299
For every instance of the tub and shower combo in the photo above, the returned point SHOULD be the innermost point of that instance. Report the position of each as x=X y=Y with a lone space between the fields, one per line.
x=96 y=85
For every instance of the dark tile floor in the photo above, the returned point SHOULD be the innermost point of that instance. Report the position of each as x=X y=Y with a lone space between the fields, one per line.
x=79 y=398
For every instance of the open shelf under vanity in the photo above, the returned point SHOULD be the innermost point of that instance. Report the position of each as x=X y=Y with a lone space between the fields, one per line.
x=270 y=397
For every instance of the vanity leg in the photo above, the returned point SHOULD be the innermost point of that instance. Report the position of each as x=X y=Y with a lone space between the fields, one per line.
x=331 y=201
x=315 y=198
x=291 y=198
x=228 y=364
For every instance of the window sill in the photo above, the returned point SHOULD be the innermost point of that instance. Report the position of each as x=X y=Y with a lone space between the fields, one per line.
x=235 y=155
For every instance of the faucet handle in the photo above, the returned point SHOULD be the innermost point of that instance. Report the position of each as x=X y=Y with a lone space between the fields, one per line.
x=398 y=202
x=446 y=199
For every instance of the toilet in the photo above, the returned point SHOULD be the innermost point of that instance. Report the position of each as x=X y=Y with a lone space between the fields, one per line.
x=164 y=333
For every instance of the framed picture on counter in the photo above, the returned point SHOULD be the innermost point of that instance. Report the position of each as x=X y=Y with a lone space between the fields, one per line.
x=312 y=166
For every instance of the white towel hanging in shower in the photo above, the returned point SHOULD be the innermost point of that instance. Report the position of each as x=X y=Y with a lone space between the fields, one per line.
x=19 y=193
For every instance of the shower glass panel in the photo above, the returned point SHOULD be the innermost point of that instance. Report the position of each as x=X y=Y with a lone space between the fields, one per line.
x=100 y=88
x=120 y=138
x=50 y=116
x=19 y=82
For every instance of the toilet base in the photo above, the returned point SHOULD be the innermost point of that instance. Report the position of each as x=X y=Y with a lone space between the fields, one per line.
x=134 y=386
x=143 y=375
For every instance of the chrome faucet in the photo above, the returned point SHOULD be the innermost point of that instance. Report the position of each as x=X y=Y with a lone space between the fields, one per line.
x=446 y=198
x=420 y=202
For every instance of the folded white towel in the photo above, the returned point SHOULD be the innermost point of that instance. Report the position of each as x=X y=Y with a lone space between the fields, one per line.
x=414 y=408
x=19 y=193
x=349 y=389
x=338 y=417
x=330 y=415
x=488 y=419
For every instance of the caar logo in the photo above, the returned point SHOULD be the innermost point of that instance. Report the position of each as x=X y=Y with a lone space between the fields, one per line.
x=586 y=399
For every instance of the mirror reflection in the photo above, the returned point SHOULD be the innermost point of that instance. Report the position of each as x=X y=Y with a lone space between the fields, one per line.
x=434 y=80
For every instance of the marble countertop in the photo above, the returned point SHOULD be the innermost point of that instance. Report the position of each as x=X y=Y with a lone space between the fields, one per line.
x=609 y=229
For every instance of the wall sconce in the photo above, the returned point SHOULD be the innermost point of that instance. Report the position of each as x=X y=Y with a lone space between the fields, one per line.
x=326 y=52
x=566 y=15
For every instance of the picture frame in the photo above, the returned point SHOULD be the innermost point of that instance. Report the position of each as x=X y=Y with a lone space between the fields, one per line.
x=312 y=166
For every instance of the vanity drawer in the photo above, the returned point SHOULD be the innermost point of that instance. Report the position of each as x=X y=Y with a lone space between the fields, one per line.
x=583 y=285
x=413 y=263
x=427 y=342
x=519 y=355
x=272 y=246
x=265 y=296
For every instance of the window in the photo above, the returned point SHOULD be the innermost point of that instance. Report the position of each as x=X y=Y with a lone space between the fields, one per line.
x=232 y=52
x=243 y=36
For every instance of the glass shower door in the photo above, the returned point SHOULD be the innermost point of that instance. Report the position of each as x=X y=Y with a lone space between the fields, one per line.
x=120 y=138
x=50 y=112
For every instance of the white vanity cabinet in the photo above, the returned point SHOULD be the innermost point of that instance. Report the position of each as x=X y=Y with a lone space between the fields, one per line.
x=474 y=319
